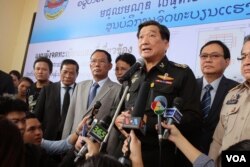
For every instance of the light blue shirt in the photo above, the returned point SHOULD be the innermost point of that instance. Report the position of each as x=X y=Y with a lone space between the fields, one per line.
x=214 y=84
x=100 y=83
x=203 y=161
x=56 y=147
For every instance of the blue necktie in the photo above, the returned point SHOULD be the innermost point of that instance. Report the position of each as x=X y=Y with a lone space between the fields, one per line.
x=92 y=93
x=206 y=101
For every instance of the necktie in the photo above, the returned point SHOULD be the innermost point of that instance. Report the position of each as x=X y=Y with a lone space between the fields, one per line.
x=92 y=93
x=65 y=106
x=206 y=101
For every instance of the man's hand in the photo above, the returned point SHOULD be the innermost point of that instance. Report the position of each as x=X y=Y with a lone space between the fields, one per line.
x=93 y=147
x=133 y=144
x=120 y=120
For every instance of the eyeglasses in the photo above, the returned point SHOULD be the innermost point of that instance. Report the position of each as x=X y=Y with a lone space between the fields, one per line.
x=212 y=56
x=244 y=56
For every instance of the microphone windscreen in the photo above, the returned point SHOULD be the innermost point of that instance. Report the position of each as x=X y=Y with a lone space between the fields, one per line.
x=178 y=103
x=97 y=105
x=139 y=63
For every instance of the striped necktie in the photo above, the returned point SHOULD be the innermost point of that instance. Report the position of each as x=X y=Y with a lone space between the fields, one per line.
x=92 y=93
x=206 y=101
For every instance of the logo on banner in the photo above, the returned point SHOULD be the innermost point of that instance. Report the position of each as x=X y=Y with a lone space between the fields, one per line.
x=54 y=8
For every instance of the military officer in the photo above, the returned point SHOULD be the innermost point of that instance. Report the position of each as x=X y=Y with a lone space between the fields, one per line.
x=233 y=125
x=167 y=79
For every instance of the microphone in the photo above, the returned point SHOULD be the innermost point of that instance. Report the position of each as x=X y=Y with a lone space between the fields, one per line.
x=97 y=133
x=173 y=114
x=139 y=63
x=94 y=111
x=136 y=120
x=159 y=106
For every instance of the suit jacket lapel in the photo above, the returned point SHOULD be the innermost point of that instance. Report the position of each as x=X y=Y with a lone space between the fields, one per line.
x=85 y=93
x=104 y=90
x=220 y=93
x=200 y=83
x=58 y=97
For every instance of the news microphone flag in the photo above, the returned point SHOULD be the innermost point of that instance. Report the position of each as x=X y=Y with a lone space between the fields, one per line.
x=159 y=105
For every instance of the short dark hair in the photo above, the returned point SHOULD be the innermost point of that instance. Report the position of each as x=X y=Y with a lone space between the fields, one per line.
x=30 y=115
x=45 y=60
x=9 y=104
x=16 y=73
x=105 y=52
x=70 y=61
x=226 y=50
x=243 y=145
x=126 y=57
x=26 y=79
x=246 y=39
x=164 y=31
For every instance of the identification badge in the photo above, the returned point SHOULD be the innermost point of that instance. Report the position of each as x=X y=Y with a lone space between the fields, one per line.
x=233 y=100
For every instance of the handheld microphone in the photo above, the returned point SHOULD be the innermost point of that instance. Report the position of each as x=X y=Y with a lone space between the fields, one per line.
x=97 y=133
x=136 y=121
x=173 y=115
x=159 y=106
x=94 y=111
x=139 y=63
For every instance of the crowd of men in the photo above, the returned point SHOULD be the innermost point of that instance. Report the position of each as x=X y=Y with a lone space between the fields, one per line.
x=54 y=118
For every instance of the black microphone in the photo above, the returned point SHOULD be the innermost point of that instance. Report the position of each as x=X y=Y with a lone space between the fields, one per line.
x=136 y=120
x=139 y=63
x=94 y=111
x=173 y=115
x=97 y=133
x=159 y=106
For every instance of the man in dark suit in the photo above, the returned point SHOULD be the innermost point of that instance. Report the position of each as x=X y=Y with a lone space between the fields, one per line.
x=6 y=83
x=214 y=59
x=49 y=107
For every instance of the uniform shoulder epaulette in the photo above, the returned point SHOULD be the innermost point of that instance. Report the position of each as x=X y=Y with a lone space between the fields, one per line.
x=181 y=65
x=236 y=87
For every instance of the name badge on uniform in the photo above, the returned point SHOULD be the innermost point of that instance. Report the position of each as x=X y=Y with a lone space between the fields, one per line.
x=233 y=100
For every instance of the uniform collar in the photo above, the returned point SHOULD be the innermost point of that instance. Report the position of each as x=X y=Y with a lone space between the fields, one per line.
x=161 y=66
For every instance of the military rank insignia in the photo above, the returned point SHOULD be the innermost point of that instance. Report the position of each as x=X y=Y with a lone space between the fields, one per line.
x=164 y=79
x=134 y=78
x=181 y=65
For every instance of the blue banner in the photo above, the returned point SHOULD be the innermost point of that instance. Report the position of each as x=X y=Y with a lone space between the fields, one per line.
x=71 y=19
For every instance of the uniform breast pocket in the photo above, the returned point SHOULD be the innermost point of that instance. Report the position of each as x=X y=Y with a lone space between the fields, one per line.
x=229 y=120
x=163 y=89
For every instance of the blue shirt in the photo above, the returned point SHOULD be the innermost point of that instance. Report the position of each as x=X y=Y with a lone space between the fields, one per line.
x=56 y=147
x=203 y=161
